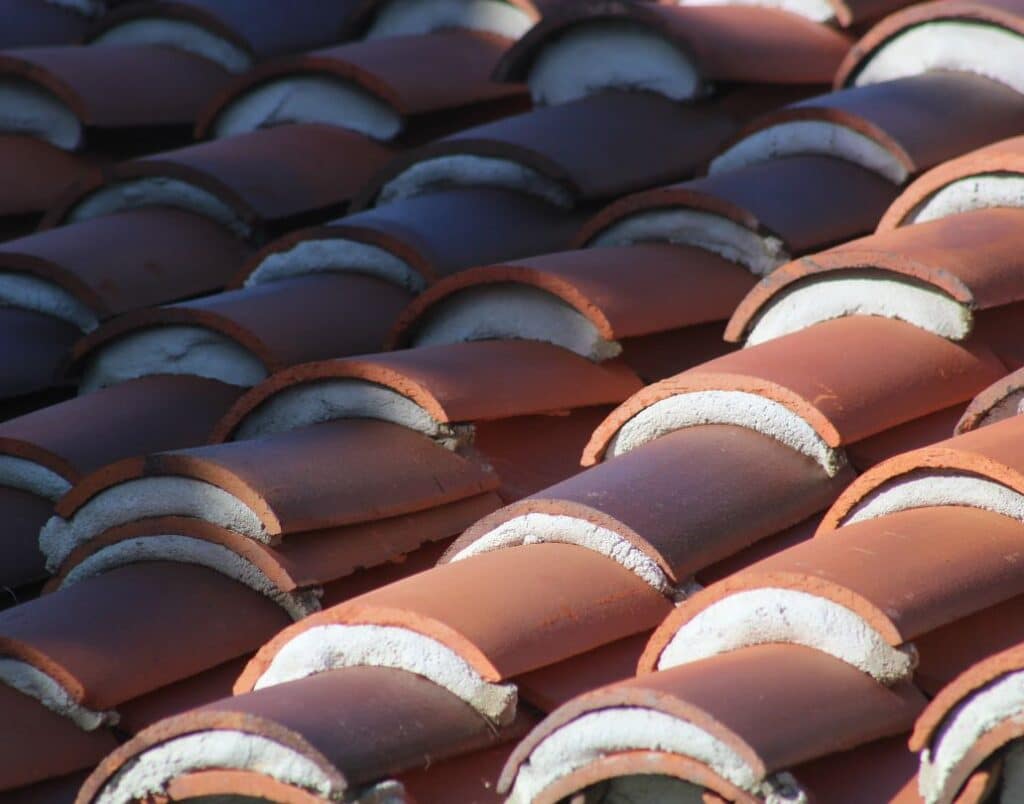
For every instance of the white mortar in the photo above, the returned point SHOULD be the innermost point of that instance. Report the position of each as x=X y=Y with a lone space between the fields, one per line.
x=181 y=35
x=141 y=499
x=754 y=412
x=810 y=137
x=331 y=647
x=929 y=488
x=860 y=292
x=958 y=45
x=149 y=773
x=26 y=108
x=36 y=684
x=706 y=230
x=817 y=10
x=787 y=616
x=186 y=550
x=984 y=191
x=336 y=255
x=537 y=528
x=466 y=170
x=27 y=475
x=173 y=349
x=27 y=292
x=412 y=17
x=329 y=400
x=592 y=57
x=595 y=735
x=309 y=99
x=511 y=311
x=971 y=720
x=157 y=191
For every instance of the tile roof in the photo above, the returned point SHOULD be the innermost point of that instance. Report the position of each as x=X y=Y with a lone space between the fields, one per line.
x=408 y=461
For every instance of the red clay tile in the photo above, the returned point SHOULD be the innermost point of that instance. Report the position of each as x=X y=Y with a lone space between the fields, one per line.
x=406 y=723
x=662 y=354
x=36 y=173
x=934 y=575
x=899 y=117
x=461 y=382
x=1005 y=14
x=236 y=784
x=990 y=453
x=435 y=235
x=37 y=744
x=468 y=779
x=973 y=259
x=260 y=29
x=452 y=94
x=795 y=201
x=376 y=18
x=128 y=260
x=109 y=639
x=117 y=88
x=552 y=686
x=625 y=292
x=769 y=546
x=567 y=600
x=279 y=177
x=804 y=705
x=146 y=415
x=748 y=487
x=303 y=480
x=800 y=371
x=569 y=145
x=280 y=324
x=999 y=401
x=31 y=23
x=35 y=351
x=914 y=434
x=24 y=514
x=738 y=43
x=61 y=790
x=1006 y=157
x=881 y=771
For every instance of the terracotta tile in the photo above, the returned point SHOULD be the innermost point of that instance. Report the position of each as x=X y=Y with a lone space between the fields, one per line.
x=1001 y=13
x=625 y=291
x=805 y=705
x=947 y=652
x=405 y=723
x=35 y=349
x=390 y=70
x=995 y=328
x=1006 y=156
x=725 y=43
x=468 y=779
x=800 y=372
x=31 y=23
x=921 y=589
x=368 y=12
x=445 y=231
x=793 y=199
x=281 y=324
x=61 y=790
x=990 y=452
x=660 y=355
x=108 y=639
x=463 y=382
x=116 y=88
x=997 y=402
x=260 y=28
x=302 y=480
x=552 y=686
x=882 y=771
x=915 y=434
x=230 y=784
x=277 y=177
x=569 y=144
x=768 y=546
x=146 y=415
x=567 y=600
x=898 y=115
x=24 y=514
x=748 y=487
x=38 y=744
x=98 y=261
x=973 y=259
x=37 y=173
